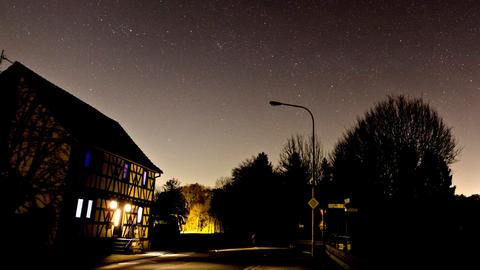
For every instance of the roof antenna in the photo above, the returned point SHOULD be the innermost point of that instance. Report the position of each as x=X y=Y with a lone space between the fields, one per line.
x=4 y=57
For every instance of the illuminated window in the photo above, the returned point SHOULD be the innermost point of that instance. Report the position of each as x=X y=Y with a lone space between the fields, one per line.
x=89 y=208
x=127 y=208
x=139 y=214
x=125 y=170
x=78 y=214
x=144 y=177
x=87 y=159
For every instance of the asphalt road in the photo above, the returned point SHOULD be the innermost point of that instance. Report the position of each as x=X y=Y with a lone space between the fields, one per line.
x=233 y=259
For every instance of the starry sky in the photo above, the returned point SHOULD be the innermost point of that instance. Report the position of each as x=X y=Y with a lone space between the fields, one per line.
x=190 y=81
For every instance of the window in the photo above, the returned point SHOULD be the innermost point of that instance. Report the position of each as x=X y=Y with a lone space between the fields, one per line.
x=139 y=214
x=125 y=170
x=144 y=177
x=78 y=214
x=87 y=158
x=89 y=208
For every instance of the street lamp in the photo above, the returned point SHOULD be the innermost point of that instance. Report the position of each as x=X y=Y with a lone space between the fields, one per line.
x=277 y=103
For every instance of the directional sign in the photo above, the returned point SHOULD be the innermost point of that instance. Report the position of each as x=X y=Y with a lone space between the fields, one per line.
x=336 y=205
x=313 y=203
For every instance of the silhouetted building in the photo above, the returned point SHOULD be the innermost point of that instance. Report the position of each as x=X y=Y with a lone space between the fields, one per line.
x=73 y=175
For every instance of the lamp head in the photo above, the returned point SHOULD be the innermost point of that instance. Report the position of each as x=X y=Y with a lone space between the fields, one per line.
x=275 y=103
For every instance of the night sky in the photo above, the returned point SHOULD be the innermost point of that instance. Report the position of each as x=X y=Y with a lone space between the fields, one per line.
x=190 y=81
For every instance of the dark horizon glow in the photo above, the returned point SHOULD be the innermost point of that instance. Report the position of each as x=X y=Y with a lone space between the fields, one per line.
x=191 y=81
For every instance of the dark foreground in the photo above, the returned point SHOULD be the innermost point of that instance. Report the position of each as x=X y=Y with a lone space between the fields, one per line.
x=233 y=258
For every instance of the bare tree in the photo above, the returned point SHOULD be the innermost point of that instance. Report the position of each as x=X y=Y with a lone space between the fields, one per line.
x=303 y=147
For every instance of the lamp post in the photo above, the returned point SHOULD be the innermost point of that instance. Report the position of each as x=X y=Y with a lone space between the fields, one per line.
x=277 y=103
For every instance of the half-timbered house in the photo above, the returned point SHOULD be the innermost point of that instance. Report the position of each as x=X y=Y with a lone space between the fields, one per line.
x=70 y=168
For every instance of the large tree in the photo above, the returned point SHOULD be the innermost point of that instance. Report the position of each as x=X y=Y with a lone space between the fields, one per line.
x=295 y=187
x=168 y=214
x=247 y=205
x=170 y=206
x=400 y=150
x=394 y=165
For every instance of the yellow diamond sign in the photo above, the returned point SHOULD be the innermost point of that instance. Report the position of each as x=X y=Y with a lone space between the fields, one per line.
x=313 y=203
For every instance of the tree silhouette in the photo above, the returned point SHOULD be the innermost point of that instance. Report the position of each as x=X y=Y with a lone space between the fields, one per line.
x=298 y=144
x=394 y=165
x=247 y=205
x=400 y=151
x=220 y=201
x=295 y=189
x=325 y=171
x=265 y=203
x=170 y=206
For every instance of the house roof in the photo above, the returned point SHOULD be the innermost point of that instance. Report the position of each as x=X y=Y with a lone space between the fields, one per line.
x=85 y=123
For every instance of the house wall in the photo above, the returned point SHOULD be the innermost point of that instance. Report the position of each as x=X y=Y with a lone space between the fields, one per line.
x=114 y=186
x=37 y=152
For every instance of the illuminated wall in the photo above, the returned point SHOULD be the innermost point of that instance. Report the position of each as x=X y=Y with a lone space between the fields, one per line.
x=121 y=192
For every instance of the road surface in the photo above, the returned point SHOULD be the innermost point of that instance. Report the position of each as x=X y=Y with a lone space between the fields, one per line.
x=256 y=258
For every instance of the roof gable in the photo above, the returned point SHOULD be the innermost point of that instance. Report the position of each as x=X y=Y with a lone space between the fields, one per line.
x=85 y=123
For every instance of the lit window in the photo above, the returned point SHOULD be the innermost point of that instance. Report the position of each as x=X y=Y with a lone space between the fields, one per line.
x=79 y=208
x=89 y=208
x=144 y=177
x=87 y=159
x=139 y=214
x=125 y=171
x=128 y=207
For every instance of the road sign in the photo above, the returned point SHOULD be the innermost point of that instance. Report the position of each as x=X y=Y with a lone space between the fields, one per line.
x=336 y=205
x=352 y=209
x=313 y=203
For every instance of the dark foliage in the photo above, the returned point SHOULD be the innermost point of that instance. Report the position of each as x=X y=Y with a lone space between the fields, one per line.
x=170 y=205
x=260 y=204
x=169 y=212
x=295 y=192
x=394 y=165
x=400 y=151
x=247 y=205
